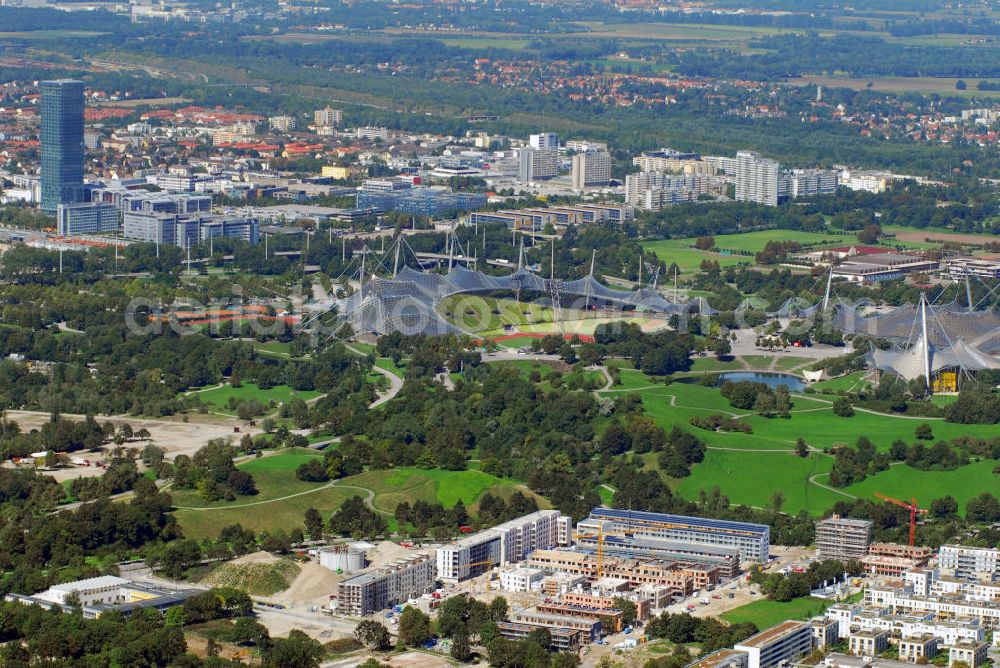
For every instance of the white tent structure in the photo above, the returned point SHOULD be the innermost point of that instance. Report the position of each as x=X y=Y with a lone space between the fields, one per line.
x=941 y=366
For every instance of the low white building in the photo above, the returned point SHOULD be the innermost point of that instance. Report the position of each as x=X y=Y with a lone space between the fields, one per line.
x=521 y=579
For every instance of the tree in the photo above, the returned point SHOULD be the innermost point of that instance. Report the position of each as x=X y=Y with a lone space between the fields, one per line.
x=314 y=524
x=843 y=408
x=498 y=609
x=296 y=651
x=944 y=507
x=801 y=448
x=629 y=610
x=175 y=617
x=373 y=634
x=924 y=432
x=414 y=628
x=248 y=631
x=460 y=648
x=777 y=500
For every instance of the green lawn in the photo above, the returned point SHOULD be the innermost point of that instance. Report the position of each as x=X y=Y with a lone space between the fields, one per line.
x=271 y=508
x=852 y=382
x=411 y=484
x=751 y=478
x=219 y=397
x=275 y=348
x=766 y=613
x=903 y=482
x=737 y=463
x=689 y=258
x=387 y=364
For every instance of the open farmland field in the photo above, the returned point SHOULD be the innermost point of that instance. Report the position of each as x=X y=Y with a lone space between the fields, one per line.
x=939 y=85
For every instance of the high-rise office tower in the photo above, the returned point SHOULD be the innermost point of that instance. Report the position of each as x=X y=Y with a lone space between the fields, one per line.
x=62 y=143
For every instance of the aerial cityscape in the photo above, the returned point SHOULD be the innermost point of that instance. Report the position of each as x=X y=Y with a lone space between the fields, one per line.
x=602 y=333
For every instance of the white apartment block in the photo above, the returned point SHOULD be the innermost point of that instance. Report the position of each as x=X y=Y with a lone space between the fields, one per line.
x=591 y=168
x=974 y=563
x=806 y=182
x=756 y=178
x=723 y=164
x=868 y=643
x=902 y=600
x=504 y=544
x=371 y=133
x=521 y=579
x=777 y=645
x=851 y=619
x=584 y=145
x=282 y=123
x=671 y=165
x=873 y=182
x=652 y=191
x=544 y=140
x=327 y=117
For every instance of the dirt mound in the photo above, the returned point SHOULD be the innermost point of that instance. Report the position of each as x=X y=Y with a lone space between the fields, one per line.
x=314 y=584
x=256 y=574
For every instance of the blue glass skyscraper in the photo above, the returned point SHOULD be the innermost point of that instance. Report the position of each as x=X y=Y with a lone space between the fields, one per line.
x=62 y=143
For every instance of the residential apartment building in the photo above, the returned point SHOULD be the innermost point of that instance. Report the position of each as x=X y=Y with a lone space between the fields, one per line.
x=724 y=658
x=652 y=191
x=751 y=541
x=806 y=182
x=972 y=654
x=87 y=218
x=563 y=640
x=544 y=140
x=672 y=162
x=973 y=563
x=893 y=559
x=372 y=133
x=779 y=644
x=591 y=168
x=843 y=538
x=521 y=579
x=537 y=164
x=756 y=178
x=917 y=649
x=328 y=117
x=386 y=586
x=282 y=123
x=870 y=642
x=634 y=571
x=504 y=544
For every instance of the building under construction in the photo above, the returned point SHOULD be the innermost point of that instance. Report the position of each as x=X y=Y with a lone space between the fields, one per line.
x=722 y=544
x=386 y=586
x=843 y=538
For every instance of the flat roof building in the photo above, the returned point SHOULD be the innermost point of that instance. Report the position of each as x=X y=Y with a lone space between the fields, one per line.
x=105 y=593
x=843 y=538
x=782 y=643
x=503 y=544
x=973 y=563
x=385 y=586
x=751 y=541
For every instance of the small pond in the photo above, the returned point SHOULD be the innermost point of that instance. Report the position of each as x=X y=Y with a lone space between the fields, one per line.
x=772 y=380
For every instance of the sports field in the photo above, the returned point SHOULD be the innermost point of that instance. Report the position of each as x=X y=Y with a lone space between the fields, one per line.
x=218 y=397
x=688 y=258
x=766 y=613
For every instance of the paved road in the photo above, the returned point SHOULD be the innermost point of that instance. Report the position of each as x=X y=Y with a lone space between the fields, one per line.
x=395 y=382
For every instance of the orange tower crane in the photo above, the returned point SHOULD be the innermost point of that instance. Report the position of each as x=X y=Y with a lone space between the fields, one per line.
x=911 y=506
